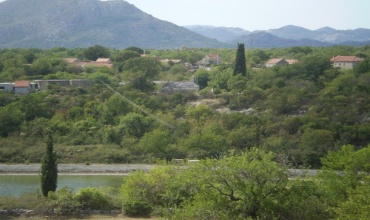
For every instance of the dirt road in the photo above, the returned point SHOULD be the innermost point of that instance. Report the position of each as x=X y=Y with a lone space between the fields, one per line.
x=71 y=169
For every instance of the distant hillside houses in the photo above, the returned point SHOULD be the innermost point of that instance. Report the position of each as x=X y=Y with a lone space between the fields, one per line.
x=26 y=87
x=345 y=62
x=170 y=61
x=280 y=62
x=18 y=87
x=100 y=62
x=210 y=59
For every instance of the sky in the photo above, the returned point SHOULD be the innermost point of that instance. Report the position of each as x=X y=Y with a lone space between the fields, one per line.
x=260 y=14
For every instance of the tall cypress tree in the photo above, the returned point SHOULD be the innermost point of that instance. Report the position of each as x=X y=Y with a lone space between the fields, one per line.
x=49 y=168
x=240 y=66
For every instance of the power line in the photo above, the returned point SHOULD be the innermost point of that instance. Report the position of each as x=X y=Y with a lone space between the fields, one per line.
x=138 y=107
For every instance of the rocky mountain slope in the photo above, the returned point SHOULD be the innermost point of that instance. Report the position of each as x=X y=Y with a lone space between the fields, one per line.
x=83 y=23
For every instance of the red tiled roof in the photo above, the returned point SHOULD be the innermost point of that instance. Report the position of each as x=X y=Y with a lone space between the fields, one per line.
x=346 y=59
x=213 y=56
x=274 y=61
x=18 y=84
x=291 y=61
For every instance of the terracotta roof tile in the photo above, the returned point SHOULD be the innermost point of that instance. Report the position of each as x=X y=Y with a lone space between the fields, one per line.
x=274 y=61
x=292 y=61
x=346 y=59
x=18 y=84
x=213 y=56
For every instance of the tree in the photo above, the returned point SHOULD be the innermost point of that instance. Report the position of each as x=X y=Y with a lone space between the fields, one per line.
x=124 y=55
x=136 y=124
x=136 y=49
x=11 y=119
x=345 y=181
x=141 y=72
x=246 y=186
x=240 y=65
x=49 y=169
x=202 y=78
x=93 y=53
x=362 y=67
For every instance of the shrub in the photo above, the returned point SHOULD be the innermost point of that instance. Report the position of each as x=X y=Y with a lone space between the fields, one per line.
x=92 y=198
x=137 y=208
x=62 y=202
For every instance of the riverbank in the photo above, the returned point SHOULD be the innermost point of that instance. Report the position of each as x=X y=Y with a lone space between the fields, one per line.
x=75 y=169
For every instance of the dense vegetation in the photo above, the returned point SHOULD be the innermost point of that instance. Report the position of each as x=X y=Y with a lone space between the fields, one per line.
x=248 y=129
x=247 y=185
x=252 y=186
x=299 y=112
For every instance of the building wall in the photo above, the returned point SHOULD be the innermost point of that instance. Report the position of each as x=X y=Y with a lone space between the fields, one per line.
x=43 y=84
x=21 y=90
x=81 y=83
x=6 y=87
x=344 y=65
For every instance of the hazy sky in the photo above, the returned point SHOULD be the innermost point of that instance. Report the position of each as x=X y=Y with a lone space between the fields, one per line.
x=261 y=14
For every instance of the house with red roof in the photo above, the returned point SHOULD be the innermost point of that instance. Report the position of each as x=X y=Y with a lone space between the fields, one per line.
x=100 y=62
x=277 y=62
x=292 y=61
x=22 y=87
x=345 y=62
x=210 y=59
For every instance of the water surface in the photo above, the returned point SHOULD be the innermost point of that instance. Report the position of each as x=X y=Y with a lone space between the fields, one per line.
x=17 y=185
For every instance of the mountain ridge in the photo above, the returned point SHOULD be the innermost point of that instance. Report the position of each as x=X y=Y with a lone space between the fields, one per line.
x=83 y=23
x=325 y=35
x=119 y=24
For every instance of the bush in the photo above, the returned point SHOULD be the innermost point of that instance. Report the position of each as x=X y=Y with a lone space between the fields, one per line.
x=92 y=198
x=62 y=202
x=137 y=208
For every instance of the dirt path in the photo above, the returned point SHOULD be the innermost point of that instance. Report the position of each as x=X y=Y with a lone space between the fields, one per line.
x=101 y=169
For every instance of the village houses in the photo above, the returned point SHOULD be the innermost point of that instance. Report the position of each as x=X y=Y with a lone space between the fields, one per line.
x=345 y=62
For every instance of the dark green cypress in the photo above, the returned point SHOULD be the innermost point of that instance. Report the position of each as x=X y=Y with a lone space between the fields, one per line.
x=49 y=168
x=240 y=66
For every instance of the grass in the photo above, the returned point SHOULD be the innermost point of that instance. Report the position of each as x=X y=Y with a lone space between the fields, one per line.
x=39 y=205
x=28 y=201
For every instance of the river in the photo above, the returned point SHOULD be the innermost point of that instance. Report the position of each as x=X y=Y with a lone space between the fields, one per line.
x=18 y=185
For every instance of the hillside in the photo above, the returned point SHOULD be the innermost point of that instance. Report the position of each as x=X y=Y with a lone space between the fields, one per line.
x=223 y=34
x=286 y=36
x=82 y=23
x=267 y=40
x=325 y=34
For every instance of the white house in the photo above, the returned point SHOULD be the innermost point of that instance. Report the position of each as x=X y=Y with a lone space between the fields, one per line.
x=345 y=62
x=23 y=87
